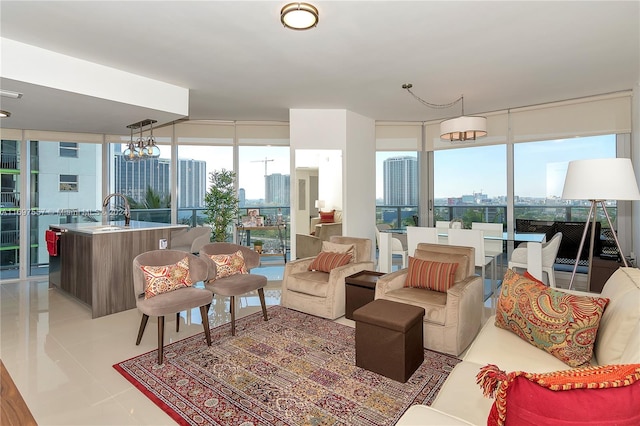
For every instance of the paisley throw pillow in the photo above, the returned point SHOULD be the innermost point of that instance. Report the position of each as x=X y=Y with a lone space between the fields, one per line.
x=562 y=324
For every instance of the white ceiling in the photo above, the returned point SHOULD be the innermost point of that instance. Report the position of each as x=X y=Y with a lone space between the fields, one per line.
x=241 y=64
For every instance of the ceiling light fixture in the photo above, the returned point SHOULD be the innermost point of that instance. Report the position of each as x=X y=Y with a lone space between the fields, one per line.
x=460 y=129
x=4 y=114
x=299 y=16
x=142 y=148
x=10 y=94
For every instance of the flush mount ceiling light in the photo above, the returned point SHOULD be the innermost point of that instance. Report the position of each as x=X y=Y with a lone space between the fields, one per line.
x=4 y=114
x=460 y=129
x=299 y=16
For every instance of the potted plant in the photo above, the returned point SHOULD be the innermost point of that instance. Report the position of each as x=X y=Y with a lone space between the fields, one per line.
x=221 y=203
x=257 y=246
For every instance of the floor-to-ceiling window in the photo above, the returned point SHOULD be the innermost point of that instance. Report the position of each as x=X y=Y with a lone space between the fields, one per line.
x=65 y=187
x=398 y=173
x=397 y=188
x=9 y=209
x=470 y=184
x=145 y=182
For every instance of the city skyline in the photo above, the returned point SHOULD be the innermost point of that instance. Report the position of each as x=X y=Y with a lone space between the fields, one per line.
x=535 y=176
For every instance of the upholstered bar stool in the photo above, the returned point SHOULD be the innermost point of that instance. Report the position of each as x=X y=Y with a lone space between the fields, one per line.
x=389 y=338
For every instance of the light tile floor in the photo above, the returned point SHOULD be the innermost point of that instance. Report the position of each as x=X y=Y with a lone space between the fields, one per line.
x=61 y=360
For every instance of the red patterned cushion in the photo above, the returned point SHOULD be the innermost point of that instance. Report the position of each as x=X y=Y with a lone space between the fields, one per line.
x=161 y=279
x=436 y=276
x=326 y=261
x=229 y=264
x=563 y=324
x=598 y=395
x=327 y=217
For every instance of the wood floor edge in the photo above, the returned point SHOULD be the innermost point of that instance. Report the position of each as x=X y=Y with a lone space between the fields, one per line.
x=13 y=409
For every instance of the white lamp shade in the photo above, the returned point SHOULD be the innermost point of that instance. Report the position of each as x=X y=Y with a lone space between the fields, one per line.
x=601 y=179
x=319 y=204
x=463 y=128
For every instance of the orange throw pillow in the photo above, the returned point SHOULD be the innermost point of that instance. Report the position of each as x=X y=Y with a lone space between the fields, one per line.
x=229 y=264
x=162 y=279
x=437 y=276
x=326 y=261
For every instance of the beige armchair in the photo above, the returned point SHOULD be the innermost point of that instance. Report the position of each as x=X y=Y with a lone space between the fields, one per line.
x=452 y=319
x=190 y=240
x=321 y=293
x=310 y=245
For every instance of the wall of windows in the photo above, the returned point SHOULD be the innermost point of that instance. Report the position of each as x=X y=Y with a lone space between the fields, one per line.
x=493 y=174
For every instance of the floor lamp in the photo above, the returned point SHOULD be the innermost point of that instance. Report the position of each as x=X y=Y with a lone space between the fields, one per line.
x=599 y=180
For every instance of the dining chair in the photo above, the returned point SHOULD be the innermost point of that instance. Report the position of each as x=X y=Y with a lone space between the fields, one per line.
x=443 y=230
x=475 y=238
x=420 y=234
x=493 y=241
x=397 y=247
x=549 y=253
x=157 y=271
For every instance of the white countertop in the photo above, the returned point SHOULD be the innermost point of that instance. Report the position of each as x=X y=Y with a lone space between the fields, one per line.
x=114 y=226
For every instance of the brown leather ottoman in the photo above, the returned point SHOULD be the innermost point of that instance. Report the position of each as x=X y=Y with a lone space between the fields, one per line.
x=389 y=338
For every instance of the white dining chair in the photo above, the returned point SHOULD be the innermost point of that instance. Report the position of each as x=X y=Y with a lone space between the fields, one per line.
x=474 y=238
x=396 y=247
x=420 y=234
x=442 y=227
x=493 y=241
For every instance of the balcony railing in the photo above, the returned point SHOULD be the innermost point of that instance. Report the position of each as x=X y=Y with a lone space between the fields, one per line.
x=401 y=216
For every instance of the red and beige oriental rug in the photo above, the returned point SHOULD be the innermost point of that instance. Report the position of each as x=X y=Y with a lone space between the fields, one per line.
x=294 y=369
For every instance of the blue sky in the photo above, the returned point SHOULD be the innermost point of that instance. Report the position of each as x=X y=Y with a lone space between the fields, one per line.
x=539 y=167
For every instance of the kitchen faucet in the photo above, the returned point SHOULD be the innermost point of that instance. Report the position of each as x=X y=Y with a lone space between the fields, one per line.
x=127 y=210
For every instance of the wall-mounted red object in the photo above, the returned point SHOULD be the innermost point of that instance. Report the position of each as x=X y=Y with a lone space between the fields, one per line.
x=52 y=238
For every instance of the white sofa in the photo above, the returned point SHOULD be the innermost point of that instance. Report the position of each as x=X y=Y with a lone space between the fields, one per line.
x=460 y=401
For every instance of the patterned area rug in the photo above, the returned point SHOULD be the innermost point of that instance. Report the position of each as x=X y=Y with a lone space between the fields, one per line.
x=294 y=369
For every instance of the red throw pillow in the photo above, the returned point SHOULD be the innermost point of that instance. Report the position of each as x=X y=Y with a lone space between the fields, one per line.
x=326 y=261
x=437 y=276
x=327 y=217
x=595 y=395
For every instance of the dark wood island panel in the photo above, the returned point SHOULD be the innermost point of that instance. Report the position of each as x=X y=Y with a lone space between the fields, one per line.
x=97 y=268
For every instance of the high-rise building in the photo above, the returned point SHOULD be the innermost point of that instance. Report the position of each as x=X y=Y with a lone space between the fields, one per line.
x=277 y=189
x=400 y=175
x=192 y=178
x=134 y=178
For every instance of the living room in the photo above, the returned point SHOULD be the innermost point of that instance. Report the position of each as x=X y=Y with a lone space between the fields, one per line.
x=568 y=97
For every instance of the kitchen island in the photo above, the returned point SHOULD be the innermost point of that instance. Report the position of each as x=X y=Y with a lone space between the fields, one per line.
x=96 y=261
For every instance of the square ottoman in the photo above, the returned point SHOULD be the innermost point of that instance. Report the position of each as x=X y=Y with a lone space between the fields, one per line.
x=389 y=338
